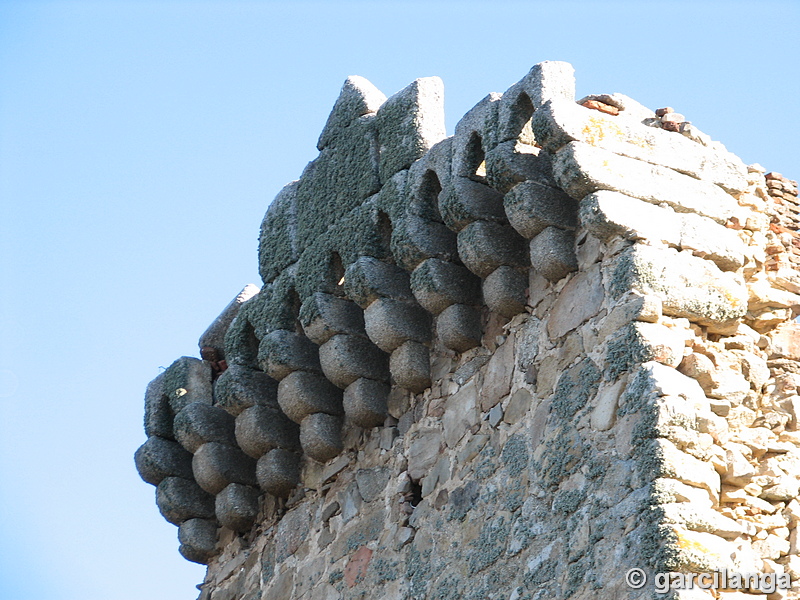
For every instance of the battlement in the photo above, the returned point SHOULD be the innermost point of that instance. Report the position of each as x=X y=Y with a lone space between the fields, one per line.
x=517 y=361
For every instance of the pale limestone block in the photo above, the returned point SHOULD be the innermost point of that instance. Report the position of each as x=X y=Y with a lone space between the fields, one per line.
x=460 y=414
x=497 y=380
x=423 y=452
x=604 y=413
x=701 y=552
x=675 y=491
x=697 y=518
x=675 y=464
x=578 y=301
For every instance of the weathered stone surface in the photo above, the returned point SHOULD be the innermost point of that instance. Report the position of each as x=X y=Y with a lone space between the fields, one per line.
x=390 y=323
x=198 y=538
x=415 y=239
x=158 y=459
x=483 y=246
x=578 y=301
x=606 y=214
x=410 y=123
x=217 y=465
x=238 y=388
x=410 y=366
x=460 y=414
x=237 y=507
x=670 y=462
x=785 y=342
x=187 y=380
x=278 y=472
x=438 y=284
x=552 y=253
x=497 y=380
x=214 y=336
x=365 y=402
x=532 y=207
x=181 y=499
x=321 y=436
x=504 y=291
x=423 y=452
x=324 y=315
x=512 y=162
x=581 y=169
x=688 y=286
x=303 y=393
x=198 y=423
x=281 y=352
x=368 y=279
x=292 y=532
x=604 y=412
x=459 y=327
x=346 y=358
x=472 y=132
x=561 y=122
x=642 y=342
x=157 y=412
x=371 y=482
x=358 y=97
x=466 y=201
x=632 y=306
x=260 y=429
x=518 y=406
x=277 y=241
x=549 y=80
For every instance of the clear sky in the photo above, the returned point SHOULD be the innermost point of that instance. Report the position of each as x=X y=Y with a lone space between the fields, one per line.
x=140 y=145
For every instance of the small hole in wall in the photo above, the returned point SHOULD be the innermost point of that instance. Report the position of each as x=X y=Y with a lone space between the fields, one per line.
x=475 y=159
x=294 y=303
x=337 y=274
x=429 y=191
x=385 y=231
x=520 y=119
x=415 y=494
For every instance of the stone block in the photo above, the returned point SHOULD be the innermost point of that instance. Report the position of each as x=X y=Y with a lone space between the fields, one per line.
x=549 y=80
x=409 y=123
x=561 y=122
x=688 y=286
x=260 y=429
x=282 y=352
x=239 y=388
x=214 y=336
x=277 y=240
x=303 y=393
x=497 y=377
x=423 y=452
x=358 y=97
x=510 y=163
x=158 y=459
x=368 y=279
x=465 y=201
x=415 y=239
x=325 y=315
x=426 y=179
x=278 y=472
x=372 y=482
x=187 y=380
x=410 y=366
x=365 y=402
x=157 y=412
x=180 y=499
x=198 y=538
x=518 y=406
x=578 y=301
x=642 y=342
x=473 y=135
x=504 y=291
x=532 y=207
x=237 y=507
x=607 y=214
x=438 y=284
x=784 y=342
x=581 y=169
x=216 y=465
x=459 y=327
x=672 y=463
x=553 y=253
x=199 y=423
x=460 y=414
x=390 y=323
x=514 y=113
x=483 y=246
x=346 y=358
x=321 y=436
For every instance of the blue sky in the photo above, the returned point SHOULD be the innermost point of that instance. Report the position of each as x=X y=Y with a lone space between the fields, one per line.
x=140 y=145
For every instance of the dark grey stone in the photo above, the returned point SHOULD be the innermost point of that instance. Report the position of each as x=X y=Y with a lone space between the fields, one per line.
x=532 y=207
x=365 y=402
x=158 y=459
x=187 y=380
x=277 y=240
x=278 y=472
x=465 y=201
x=180 y=499
x=260 y=429
x=157 y=413
x=415 y=239
x=553 y=253
x=282 y=352
x=483 y=246
x=345 y=358
x=410 y=365
x=368 y=279
x=438 y=284
x=321 y=436
x=237 y=507
x=324 y=315
x=390 y=323
x=199 y=423
x=504 y=291
x=511 y=163
x=198 y=538
x=216 y=465
x=330 y=510
x=214 y=336
x=303 y=393
x=357 y=98
x=372 y=482
x=459 y=327
x=238 y=388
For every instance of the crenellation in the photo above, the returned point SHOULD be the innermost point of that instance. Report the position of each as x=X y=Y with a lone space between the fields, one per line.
x=512 y=363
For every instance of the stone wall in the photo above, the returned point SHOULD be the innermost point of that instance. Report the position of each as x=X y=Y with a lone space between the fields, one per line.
x=513 y=363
